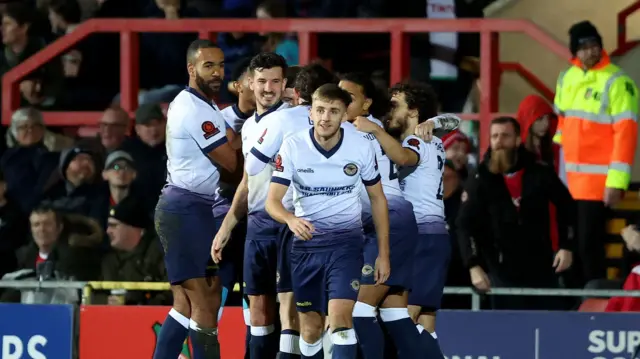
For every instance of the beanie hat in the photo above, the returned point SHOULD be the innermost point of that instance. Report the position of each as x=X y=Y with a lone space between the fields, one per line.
x=455 y=136
x=582 y=33
x=67 y=155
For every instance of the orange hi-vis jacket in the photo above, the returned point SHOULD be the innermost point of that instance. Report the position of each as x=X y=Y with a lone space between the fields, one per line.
x=597 y=128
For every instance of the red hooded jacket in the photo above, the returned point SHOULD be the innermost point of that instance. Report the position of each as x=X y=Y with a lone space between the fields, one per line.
x=532 y=108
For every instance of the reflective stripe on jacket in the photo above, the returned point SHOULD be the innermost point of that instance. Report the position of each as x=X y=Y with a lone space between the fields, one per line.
x=598 y=112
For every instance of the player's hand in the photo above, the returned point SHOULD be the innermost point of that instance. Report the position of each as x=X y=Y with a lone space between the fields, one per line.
x=425 y=130
x=219 y=242
x=480 y=279
x=563 y=260
x=301 y=228
x=383 y=270
x=364 y=125
x=612 y=196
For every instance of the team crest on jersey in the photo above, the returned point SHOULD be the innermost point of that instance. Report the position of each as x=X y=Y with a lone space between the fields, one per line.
x=209 y=130
x=367 y=270
x=261 y=139
x=414 y=143
x=278 y=164
x=355 y=285
x=350 y=169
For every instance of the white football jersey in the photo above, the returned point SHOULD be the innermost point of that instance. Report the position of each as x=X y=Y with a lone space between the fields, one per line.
x=422 y=184
x=234 y=117
x=259 y=184
x=326 y=184
x=195 y=127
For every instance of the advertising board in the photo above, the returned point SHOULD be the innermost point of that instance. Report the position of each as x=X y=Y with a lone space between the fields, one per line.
x=33 y=331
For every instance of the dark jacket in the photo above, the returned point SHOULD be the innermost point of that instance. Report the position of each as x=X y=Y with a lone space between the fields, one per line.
x=513 y=243
x=144 y=264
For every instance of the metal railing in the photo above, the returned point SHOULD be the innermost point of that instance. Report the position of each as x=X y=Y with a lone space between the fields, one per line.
x=88 y=288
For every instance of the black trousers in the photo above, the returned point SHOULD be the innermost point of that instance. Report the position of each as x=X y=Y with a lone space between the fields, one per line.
x=589 y=256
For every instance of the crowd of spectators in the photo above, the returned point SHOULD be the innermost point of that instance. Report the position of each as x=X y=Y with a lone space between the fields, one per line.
x=81 y=208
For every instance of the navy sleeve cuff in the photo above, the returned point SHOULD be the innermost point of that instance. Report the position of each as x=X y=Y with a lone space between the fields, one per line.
x=372 y=181
x=215 y=145
x=280 y=180
x=259 y=155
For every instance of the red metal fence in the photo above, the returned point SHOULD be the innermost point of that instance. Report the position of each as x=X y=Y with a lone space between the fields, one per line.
x=306 y=29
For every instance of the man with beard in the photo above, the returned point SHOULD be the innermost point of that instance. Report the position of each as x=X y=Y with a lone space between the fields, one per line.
x=190 y=210
x=325 y=165
x=503 y=220
x=260 y=266
x=420 y=173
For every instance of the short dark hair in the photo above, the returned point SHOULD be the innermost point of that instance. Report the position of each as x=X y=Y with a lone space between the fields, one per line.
x=197 y=45
x=380 y=99
x=47 y=208
x=268 y=60
x=310 y=78
x=275 y=8
x=20 y=12
x=505 y=120
x=332 y=92
x=240 y=69
x=292 y=72
x=419 y=96
x=69 y=10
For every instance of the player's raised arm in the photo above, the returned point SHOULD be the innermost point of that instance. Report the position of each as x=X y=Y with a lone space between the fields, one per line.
x=380 y=213
x=265 y=147
x=211 y=137
x=280 y=181
x=399 y=155
x=446 y=122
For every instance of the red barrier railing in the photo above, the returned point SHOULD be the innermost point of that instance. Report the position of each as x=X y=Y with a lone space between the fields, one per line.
x=623 y=44
x=306 y=30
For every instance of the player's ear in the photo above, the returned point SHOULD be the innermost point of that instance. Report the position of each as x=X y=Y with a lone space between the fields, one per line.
x=367 y=103
x=414 y=113
x=250 y=79
x=284 y=84
x=191 y=69
x=345 y=116
x=234 y=87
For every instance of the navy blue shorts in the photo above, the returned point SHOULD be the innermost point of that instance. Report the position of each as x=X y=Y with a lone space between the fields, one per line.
x=230 y=268
x=283 y=275
x=186 y=230
x=320 y=275
x=430 y=265
x=260 y=266
x=403 y=234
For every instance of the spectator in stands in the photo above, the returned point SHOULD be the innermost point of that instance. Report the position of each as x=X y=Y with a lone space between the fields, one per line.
x=598 y=132
x=503 y=221
x=13 y=230
x=77 y=192
x=112 y=134
x=237 y=46
x=119 y=173
x=539 y=124
x=20 y=45
x=28 y=129
x=458 y=275
x=28 y=164
x=64 y=16
x=55 y=241
x=457 y=146
x=282 y=44
x=148 y=150
x=135 y=255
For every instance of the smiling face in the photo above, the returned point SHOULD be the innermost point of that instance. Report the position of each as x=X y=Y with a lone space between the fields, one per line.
x=327 y=116
x=268 y=86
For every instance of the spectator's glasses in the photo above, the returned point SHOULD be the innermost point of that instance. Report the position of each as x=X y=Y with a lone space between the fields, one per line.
x=121 y=167
x=28 y=127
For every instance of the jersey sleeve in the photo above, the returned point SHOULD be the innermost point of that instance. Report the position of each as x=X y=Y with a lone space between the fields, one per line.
x=418 y=146
x=369 y=173
x=283 y=171
x=209 y=131
x=270 y=140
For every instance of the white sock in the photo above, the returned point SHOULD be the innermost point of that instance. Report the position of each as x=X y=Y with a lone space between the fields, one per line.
x=310 y=350
x=262 y=331
x=289 y=343
x=344 y=337
x=184 y=321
